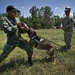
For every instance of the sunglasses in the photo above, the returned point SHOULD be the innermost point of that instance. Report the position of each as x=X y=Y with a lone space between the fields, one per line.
x=14 y=11
x=67 y=11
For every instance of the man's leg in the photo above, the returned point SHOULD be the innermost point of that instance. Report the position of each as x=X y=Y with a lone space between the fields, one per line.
x=6 y=51
x=65 y=37
x=68 y=40
x=25 y=46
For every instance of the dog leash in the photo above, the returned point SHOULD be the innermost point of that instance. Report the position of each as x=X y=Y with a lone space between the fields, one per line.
x=50 y=41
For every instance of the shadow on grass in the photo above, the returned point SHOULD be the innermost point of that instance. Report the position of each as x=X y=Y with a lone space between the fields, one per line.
x=17 y=63
x=12 y=65
x=44 y=60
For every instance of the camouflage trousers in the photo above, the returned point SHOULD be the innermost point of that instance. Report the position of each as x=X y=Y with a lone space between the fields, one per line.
x=10 y=47
x=68 y=38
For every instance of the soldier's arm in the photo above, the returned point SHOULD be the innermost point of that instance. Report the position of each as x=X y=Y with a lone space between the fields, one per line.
x=7 y=28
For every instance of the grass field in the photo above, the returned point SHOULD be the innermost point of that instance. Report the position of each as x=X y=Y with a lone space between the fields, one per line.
x=16 y=62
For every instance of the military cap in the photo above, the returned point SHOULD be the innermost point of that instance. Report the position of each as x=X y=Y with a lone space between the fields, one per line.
x=67 y=9
x=10 y=7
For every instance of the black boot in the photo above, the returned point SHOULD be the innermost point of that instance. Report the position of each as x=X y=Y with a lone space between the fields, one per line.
x=30 y=61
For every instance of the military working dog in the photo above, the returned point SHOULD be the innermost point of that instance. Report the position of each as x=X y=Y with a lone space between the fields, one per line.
x=41 y=43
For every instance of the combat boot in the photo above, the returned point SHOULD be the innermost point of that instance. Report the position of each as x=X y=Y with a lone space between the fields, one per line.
x=30 y=61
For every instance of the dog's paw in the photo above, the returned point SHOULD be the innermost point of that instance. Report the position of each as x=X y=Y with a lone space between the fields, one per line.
x=57 y=48
x=50 y=59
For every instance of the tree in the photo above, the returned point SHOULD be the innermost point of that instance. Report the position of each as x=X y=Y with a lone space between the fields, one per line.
x=4 y=14
x=46 y=15
x=41 y=18
x=1 y=25
x=34 y=12
x=22 y=18
x=34 y=17
x=57 y=21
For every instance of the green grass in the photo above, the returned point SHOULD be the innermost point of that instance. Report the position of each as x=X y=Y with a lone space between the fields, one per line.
x=16 y=62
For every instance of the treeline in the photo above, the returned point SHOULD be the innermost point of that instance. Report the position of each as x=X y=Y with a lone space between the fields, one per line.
x=41 y=18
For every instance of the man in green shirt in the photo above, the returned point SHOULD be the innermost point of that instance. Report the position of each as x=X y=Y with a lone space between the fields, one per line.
x=67 y=26
x=14 y=38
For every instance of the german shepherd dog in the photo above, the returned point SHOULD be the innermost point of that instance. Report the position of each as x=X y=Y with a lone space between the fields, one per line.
x=41 y=43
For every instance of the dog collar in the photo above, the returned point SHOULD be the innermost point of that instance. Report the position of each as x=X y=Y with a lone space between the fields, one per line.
x=33 y=37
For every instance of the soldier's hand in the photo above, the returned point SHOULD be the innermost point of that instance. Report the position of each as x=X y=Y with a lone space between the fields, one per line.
x=61 y=27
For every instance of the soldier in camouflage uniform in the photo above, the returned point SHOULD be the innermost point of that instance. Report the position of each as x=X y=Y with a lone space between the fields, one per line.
x=14 y=35
x=67 y=26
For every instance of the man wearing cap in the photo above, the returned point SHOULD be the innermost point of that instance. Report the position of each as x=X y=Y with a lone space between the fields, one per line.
x=67 y=26
x=14 y=35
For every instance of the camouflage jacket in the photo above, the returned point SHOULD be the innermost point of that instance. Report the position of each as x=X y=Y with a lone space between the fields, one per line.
x=11 y=29
x=67 y=23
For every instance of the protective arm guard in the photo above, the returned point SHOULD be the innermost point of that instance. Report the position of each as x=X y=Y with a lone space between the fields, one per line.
x=8 y=29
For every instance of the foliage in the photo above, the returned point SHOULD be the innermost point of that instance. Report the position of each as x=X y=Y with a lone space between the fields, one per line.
x=57 y=21
x=41 y=18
